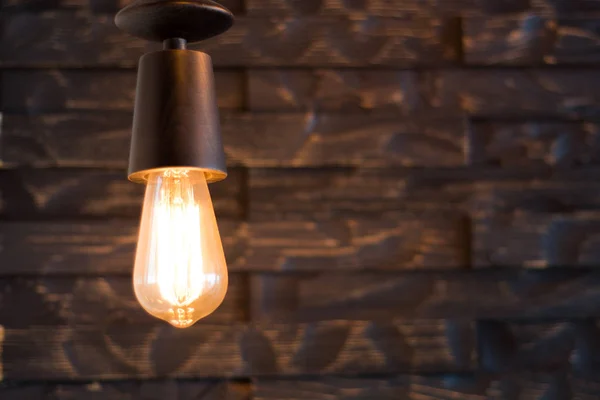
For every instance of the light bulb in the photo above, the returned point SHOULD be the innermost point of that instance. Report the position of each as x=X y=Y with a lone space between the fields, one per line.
x=180 y=274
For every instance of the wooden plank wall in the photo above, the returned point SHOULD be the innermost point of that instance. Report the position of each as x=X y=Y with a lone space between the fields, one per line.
x=413 y=208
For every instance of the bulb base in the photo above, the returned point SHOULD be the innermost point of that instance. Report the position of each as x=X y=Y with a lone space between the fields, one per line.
x=176 y=119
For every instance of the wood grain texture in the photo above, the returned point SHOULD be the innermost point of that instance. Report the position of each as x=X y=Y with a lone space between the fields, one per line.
x=335 y=347
x=389 y=158
x=55 y=301
x=492 y=93
x=562 y=194
x=80 y=39
x=419 y=7
x=381 y=296
x=128 y=390
x=315 y=297
x=559 y=145
x=539 y=240
x=334 y=90
x=58 y=139
x=350 y=244
x=384 y=8
x=400 y=8
x=65 y=193
x=509 y=346
x=573 y=6
x=531 y=39
x=513 y=93
x=537 y=225
x=38 y=91
x=445 y=387
x=402 y=241
x=94 y=6
x=34 y=6
x=254 y=140
x=86 y=248
x=343 y=192
x=333 y=139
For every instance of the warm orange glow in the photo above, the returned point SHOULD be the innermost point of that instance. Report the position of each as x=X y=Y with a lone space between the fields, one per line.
x=180 y=273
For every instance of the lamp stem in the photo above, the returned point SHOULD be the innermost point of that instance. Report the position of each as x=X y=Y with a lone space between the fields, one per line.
x=175 y=44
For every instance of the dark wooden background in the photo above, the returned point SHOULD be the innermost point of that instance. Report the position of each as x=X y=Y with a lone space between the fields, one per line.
x=413 y=209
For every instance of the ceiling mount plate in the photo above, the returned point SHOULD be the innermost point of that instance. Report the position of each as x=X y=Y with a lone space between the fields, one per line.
x=159 y=20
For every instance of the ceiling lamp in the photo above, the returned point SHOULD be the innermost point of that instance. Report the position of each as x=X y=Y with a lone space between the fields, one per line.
x=180 y=274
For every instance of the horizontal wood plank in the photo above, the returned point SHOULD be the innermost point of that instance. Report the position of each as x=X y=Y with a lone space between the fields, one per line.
x=128 y=390
x=94 y=248
x=310 y=140
x=94 y=6
x=401 y=8
x=492 y=93
x=333 y=139
x=512 y=93
x=37 y=91
x=334 y=90
x=55 y=301
x=555 y=144
x=531 y=39
x=465 y=387
x=573 y=6
x=528 y=346
x=563 y=194
x=315 y=297
x=419 y=7
x=444 y=387
x=336 y=347
x=386 y=8
x=402 y=241
x=538 y=240
x=255 y=140
x=394 y=242
x=342 y=192
x=81 y=39
x=381 y=296
x=537 y=225
x=65 y=193
x=88 y=138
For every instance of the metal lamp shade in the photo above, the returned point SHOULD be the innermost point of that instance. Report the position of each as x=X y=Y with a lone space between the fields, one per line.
x=176 y=120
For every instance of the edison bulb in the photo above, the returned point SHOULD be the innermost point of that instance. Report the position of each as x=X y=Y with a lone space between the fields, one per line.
x=180 y=274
